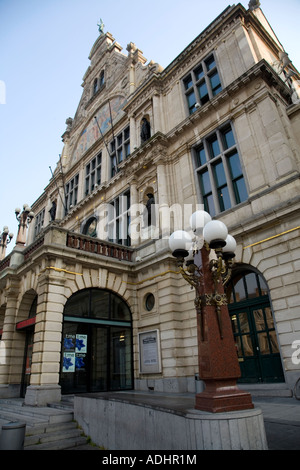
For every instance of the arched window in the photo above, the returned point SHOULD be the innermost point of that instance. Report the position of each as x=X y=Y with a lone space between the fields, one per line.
x=101 y=80
x=97 y=343
x=90 y=227
x=95 y=86
x=254 y=328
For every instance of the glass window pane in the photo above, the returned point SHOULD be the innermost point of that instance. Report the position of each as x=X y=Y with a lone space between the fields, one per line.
x=200 y=157
x=99 y=304
x=203 y=93
x=191 y=101
x=235 y=165
x=120 y=359
x=99 y=364
x=78 y=304
x=269 y=317
x=214 y=147
x=239 y=289
x=224 y=198
x=240 y=190
x=274 y=342
x=247 y=345
x=119 y=310
x=215 y=83
x=188 y=82
x=228 y=138
x=209 y=205
x=263 y=286
x=220 y=174
x=205 y=180
x=258 y=316
x=210 y=63
x=199 y=73
x=263 y=343
x=252 y=287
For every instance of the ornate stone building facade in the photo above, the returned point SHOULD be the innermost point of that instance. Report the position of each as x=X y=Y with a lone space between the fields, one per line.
x=93 y=300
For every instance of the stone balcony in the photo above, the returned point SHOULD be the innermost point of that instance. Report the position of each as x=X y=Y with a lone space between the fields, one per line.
x=55 y=239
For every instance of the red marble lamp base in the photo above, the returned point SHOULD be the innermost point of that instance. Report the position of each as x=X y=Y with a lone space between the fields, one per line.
x=221 y=396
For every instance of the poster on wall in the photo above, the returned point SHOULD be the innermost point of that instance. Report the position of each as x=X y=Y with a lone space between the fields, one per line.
x=75 y=349
x=149 y=349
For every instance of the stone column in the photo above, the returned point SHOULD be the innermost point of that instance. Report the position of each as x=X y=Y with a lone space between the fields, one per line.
x=44 y=381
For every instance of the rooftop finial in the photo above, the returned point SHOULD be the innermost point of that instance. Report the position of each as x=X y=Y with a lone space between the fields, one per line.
x=101 y=26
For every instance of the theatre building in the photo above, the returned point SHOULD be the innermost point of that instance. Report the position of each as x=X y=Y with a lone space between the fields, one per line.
x=91 y=298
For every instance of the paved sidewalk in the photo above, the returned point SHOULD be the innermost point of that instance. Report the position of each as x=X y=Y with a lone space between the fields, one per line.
x=282 y=421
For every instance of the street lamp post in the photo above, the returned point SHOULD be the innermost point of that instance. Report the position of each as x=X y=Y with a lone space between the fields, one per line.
x=5 y=239
x=24 y=218
x=218 y=362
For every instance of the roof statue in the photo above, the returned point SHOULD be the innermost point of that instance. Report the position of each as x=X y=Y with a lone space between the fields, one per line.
x=101 y=26
x=253 y=4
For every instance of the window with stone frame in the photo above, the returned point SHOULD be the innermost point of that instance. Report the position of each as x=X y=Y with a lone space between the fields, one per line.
x=119 y=219
x=39 y=222
x=71 y=193
x=202 y=84
x=119 y=150
x=219 y=173
x=93 y=174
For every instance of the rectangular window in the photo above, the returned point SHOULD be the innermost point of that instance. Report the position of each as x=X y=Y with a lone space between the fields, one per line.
x=119 y=219
x=220 y=176
x=39 y=223
x=93 y=174
x=202 y=84
x=119 y=150
x=71 y=193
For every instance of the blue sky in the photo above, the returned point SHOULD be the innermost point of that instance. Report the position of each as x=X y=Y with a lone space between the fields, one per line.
x=44 y=49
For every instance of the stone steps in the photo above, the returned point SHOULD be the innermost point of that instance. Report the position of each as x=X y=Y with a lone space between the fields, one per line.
x=54 y=437
x=47 y=428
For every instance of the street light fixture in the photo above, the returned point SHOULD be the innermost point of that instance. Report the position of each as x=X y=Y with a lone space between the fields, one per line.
x=24 y=218
x=208 y=272
x=5 y=239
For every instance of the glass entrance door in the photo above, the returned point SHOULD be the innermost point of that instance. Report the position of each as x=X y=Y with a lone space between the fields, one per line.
x=74 y=362
x=257 y=347
x=254 y=329
x=95 y=358
x=97 y=343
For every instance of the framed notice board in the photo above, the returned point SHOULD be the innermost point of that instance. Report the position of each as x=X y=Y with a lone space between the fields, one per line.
x=149 y=352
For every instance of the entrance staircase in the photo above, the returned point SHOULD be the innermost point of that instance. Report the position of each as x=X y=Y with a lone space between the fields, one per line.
x=47 y=428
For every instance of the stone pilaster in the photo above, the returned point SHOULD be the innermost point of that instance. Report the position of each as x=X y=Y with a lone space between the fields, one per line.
x=7 y=352
x=44 y=382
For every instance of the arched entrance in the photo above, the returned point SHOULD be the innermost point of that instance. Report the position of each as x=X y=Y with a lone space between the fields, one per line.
x=96 y=344
x=254 y=329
